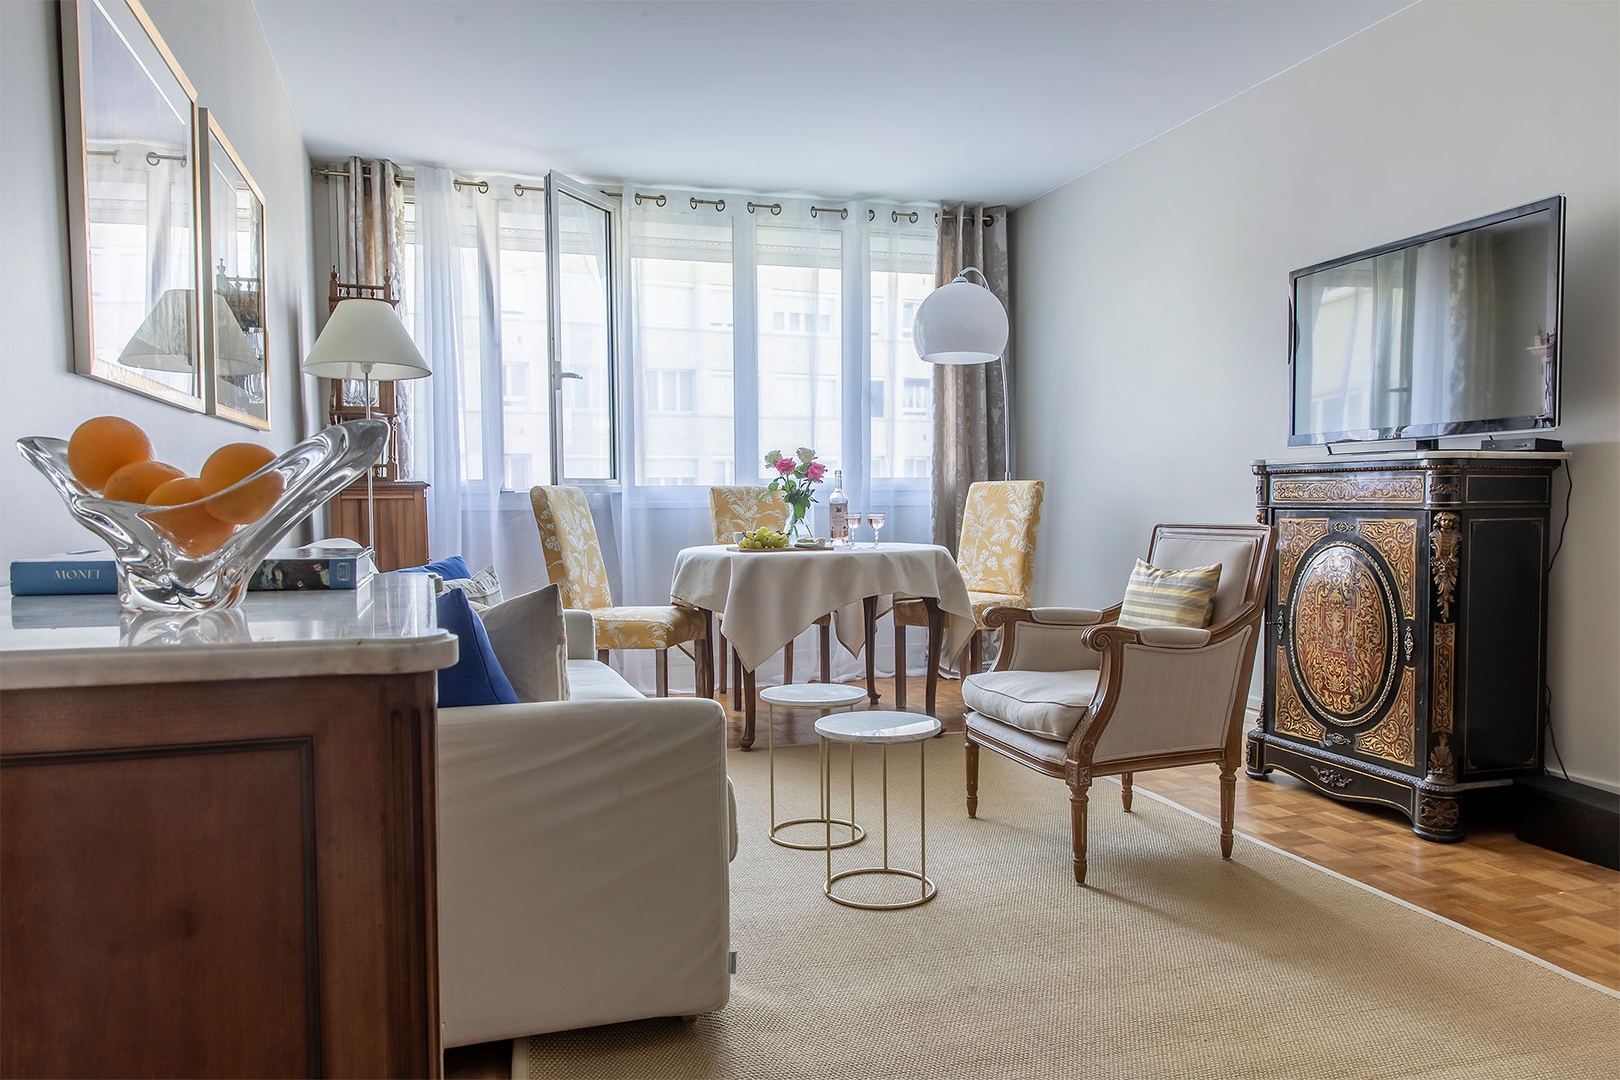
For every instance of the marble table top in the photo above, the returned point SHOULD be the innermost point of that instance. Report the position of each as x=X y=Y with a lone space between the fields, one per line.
x=878 y=726
x=387 y=626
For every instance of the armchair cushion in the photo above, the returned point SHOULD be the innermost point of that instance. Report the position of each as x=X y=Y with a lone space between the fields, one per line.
x=476 y=677
x=529 y=638
x=1044 y=703
x=1156 y=597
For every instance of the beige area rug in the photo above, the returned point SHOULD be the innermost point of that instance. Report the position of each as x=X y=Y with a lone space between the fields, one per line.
x=1173 y=963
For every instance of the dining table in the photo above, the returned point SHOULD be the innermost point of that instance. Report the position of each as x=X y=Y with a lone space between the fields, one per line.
x=766 y=596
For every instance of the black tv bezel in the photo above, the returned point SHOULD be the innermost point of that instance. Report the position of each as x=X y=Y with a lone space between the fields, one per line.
x=1493 y=426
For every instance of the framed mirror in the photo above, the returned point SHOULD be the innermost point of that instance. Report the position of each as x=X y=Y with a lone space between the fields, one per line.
x=234 y=328
x=131 y=122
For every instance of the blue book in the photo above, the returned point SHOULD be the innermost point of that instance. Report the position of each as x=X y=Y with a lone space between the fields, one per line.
x=69 y=573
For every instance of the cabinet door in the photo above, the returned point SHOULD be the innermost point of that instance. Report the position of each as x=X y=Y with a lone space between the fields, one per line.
x=1347 y=642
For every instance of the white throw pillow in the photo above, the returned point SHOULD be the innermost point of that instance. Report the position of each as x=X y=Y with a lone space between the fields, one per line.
x=529 y=640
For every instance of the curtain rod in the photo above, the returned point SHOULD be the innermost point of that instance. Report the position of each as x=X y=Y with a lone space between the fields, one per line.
x=895 y=216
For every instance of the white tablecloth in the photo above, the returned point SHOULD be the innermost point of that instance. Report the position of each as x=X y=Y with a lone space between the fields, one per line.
x=768 y=597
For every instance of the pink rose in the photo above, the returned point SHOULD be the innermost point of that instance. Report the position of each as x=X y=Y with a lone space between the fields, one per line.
x=785 y=465
x=815 y=471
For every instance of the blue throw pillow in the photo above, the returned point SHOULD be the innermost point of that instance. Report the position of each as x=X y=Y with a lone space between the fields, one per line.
x=452 y=569
x=476 y=677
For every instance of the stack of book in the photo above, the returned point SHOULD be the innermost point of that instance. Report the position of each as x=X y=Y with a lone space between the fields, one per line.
x=312 y=567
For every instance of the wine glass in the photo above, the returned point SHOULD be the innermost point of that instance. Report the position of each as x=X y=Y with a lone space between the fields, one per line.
x=855 y=519
x=876 y=520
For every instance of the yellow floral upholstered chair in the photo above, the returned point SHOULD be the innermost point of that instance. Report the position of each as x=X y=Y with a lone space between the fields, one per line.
x=574 y=563
x=744 y=508
x=997 y=559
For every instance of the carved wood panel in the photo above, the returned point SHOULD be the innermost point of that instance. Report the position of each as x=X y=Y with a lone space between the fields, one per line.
x=1342 y=635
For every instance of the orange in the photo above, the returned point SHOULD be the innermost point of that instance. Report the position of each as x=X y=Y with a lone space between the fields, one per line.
x=135 y=481
x=101 y=446
x=231 y=464
x=192 y=529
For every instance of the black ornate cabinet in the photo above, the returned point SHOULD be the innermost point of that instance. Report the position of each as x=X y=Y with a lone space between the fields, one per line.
x=1406 y=638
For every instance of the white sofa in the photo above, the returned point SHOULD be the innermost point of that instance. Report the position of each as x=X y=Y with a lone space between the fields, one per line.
x=584 y=850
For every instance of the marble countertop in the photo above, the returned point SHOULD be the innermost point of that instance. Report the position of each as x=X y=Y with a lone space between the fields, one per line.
x=387 y=626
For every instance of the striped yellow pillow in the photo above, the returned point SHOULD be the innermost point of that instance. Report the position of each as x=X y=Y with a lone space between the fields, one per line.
x=1155 y=597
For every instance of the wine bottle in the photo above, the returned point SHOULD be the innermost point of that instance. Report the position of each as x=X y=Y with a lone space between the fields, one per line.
x=838 y=510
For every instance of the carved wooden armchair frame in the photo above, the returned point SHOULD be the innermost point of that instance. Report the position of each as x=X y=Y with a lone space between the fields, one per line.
x=1072 y=634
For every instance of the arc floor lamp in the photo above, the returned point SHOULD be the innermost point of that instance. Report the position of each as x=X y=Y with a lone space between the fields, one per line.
x=963 y=323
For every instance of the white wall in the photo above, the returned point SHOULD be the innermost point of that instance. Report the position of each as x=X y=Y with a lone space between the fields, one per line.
x=223 y=51
x=1152 y=294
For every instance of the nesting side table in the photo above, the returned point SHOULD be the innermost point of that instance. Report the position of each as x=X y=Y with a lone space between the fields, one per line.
x=822 y=697
x=881 y=727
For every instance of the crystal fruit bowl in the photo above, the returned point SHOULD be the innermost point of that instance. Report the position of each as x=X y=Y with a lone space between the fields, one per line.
x=159 y=558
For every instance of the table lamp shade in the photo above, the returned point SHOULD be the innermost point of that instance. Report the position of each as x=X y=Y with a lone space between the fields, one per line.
x=364 y=339
x=163 y=340
x=961 y=323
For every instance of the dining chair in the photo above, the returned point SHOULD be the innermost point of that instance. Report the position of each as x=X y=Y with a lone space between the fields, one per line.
x=744 y=508
x=997 y=558
x=1155 y=682
x=574 y=562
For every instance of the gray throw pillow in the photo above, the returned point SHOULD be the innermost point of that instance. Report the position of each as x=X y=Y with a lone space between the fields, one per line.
x=527 y=635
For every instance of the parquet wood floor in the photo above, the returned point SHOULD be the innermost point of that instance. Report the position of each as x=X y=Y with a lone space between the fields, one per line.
x=1560 y=909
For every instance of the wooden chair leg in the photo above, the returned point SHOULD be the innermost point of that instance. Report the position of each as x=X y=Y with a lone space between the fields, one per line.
x=826 y=652
x=972 y=755
x=1125 y=790
x=720 y=651
x=661 y=673
x=869 y=611
x=899 y=665
x=1228 y=806
x=936 y=640
x=787 y=663
x=1079 y=794
x=736 y=682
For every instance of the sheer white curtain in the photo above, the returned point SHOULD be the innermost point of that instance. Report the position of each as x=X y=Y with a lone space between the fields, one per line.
x=462 y=419
x=768 y=326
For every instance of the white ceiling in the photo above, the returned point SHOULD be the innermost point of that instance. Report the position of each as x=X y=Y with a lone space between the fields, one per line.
x=979 y=100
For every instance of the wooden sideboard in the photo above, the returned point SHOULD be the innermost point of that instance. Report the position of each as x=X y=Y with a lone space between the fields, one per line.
x=218 y=836
x=1406 y=637
x=402 y=521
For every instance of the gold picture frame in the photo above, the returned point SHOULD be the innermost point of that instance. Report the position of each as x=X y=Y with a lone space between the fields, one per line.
x=233 y=232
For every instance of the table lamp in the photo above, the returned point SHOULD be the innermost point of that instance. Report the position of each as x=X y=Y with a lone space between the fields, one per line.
x=963 y=323
x=365 y=340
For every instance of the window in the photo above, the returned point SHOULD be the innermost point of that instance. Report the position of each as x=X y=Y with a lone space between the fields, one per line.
x=670 y=391
x=877 y=398
x=919 y=396
x=902 y=274
x=515 y=383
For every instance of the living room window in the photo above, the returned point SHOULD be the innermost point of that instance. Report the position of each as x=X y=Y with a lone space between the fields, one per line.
x=813 y=350
x=811 y=353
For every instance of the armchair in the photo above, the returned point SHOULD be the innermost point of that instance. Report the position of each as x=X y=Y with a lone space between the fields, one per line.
x=1074 y=695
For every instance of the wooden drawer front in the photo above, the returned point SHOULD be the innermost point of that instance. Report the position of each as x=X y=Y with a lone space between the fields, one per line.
x=1345 y=636
x=1387 y=488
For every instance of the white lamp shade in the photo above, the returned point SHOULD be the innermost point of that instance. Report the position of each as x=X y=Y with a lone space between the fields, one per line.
x=163 y=340
x=364 y=339
x=960 y=323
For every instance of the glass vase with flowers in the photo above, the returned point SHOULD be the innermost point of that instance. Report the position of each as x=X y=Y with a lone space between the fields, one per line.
x=796 y=477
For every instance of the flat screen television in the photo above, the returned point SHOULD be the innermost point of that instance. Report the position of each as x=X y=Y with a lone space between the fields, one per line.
x=1455 y=332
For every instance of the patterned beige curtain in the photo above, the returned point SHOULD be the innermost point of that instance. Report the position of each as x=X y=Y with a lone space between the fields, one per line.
x=369 y=206
x=367 y=214
x=970 y=413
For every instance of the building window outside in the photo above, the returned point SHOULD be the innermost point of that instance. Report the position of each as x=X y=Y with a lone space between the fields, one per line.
x=670 y=391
